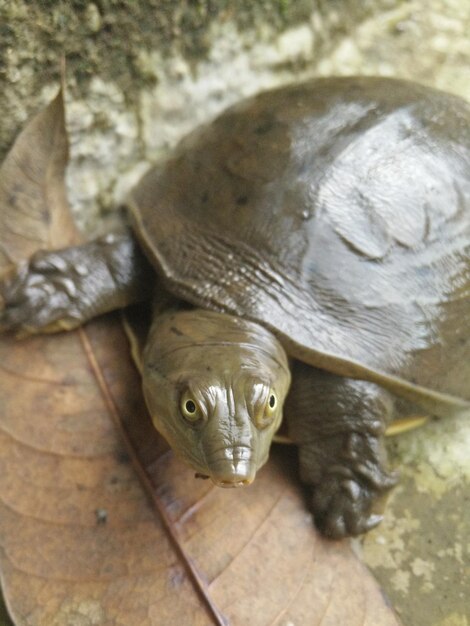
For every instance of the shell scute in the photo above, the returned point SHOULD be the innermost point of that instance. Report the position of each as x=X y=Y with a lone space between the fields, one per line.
x=337 y=214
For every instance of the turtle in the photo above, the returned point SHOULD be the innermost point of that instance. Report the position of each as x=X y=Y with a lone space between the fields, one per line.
x=306 y=255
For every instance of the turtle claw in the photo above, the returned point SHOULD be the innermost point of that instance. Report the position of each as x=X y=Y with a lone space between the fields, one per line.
x=343 y=507
x=10 y=299
x=373 y=521
x=40 y=297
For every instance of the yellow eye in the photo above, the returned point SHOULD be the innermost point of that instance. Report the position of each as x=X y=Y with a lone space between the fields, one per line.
x=271 y=404
x=268 y=412
x=190 y=408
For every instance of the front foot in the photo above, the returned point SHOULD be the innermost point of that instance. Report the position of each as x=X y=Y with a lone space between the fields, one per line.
x=344 y=503
x=347 y=474
x=42 y=296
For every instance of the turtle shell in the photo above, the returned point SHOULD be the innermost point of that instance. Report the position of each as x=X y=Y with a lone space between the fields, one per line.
x=337 y=214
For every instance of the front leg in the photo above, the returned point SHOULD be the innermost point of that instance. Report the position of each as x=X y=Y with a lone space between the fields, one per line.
x=339 y=426
x=59 y=290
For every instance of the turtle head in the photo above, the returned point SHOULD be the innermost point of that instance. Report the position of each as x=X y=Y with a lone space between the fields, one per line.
x=215 y=385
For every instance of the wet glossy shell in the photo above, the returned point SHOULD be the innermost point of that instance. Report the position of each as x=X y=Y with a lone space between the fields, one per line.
x=337 y=214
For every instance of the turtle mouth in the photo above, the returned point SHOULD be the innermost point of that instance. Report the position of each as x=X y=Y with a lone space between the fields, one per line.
x=232 y=466
x=227 y=484
x=230 y=484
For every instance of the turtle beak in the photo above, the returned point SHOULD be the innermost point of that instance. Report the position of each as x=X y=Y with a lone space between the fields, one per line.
x=233 y=466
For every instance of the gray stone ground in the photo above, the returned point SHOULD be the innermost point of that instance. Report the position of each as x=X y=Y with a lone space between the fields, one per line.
x=141 y=76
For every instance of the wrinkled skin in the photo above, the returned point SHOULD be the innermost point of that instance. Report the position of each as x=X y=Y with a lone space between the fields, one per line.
x=336 y=213
x=229 y=369
x=342 y=455
x=232 y=374
x=329 y=221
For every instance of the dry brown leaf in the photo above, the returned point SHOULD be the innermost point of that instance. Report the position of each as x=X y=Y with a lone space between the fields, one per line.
x=101 y=525
x=33 y=203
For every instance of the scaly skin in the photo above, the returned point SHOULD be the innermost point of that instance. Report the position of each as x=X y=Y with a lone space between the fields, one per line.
x=61 y=290
x=335 y=215
x=339 y=426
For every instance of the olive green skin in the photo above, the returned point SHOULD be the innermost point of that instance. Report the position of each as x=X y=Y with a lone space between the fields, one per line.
x=335 y=213
x=229 y=368
x=326 y=223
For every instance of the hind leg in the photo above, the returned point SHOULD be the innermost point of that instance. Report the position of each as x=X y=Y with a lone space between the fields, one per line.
x=339 y=425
